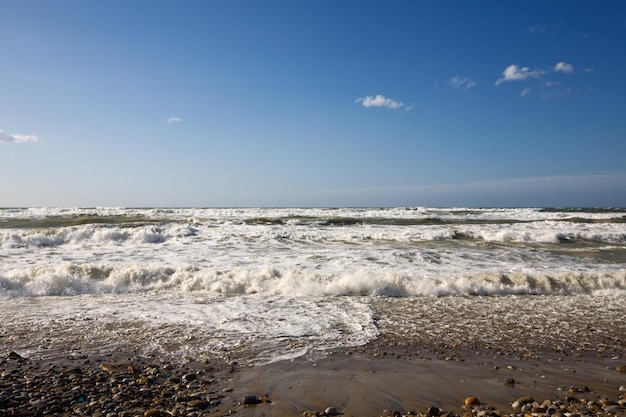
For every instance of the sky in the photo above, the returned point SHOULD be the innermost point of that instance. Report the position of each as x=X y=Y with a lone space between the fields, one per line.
x=216 y=103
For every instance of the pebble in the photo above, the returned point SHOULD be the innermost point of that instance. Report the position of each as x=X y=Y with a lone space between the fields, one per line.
x=433 y=411
x=198 y=403
x=153 y=412
x=250 y=400
x=189 y=377
x=331 y=411
x=520 y=402
x=14 y=356
x=471 y=401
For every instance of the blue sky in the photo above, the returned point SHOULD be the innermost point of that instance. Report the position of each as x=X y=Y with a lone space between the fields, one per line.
x=312 y=103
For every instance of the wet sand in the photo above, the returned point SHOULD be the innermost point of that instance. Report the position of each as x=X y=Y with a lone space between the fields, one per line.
x=367 y=382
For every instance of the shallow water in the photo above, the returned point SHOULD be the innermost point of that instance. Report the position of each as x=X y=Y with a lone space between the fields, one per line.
x=256 y=329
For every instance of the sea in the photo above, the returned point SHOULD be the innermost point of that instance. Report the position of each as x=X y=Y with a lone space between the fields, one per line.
x=270 y=284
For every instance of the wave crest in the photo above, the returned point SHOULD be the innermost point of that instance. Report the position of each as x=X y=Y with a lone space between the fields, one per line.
x=73 y=279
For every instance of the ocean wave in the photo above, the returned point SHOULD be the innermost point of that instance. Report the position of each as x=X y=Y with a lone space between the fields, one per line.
x=70 y=279
x=154 y=233
x=547 y=232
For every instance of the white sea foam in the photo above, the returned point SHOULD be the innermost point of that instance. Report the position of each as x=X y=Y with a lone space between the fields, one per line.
x=253 y=329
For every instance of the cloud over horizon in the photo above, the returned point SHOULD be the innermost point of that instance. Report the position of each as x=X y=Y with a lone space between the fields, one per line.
x=17 y=138
x=379 y=101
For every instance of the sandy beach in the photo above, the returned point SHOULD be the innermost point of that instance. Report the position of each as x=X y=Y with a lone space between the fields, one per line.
x=580 y=370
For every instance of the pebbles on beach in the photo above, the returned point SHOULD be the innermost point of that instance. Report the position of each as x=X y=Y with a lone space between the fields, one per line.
x=527 y=407
x=138 y=388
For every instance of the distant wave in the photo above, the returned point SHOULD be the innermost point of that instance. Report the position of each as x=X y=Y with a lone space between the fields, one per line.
x=134 y=233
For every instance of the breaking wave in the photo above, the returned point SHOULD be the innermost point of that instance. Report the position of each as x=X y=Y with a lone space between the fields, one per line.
x=73 y=279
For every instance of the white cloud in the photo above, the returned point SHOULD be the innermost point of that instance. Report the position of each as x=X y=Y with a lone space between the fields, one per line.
x=515 y=73
x=174 y=120
x=464 y=83
x=525 y=92
x=379 y=101
x=564 y=67
x=17 y=138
